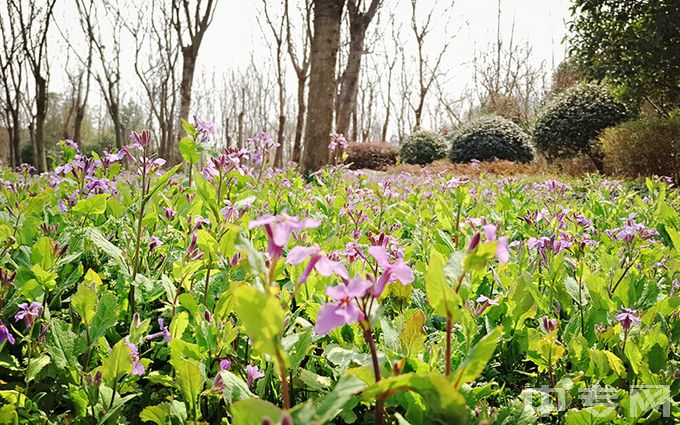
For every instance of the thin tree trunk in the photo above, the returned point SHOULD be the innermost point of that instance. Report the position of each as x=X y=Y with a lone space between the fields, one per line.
x=350 y=79
x=324 y=53
x=40 y=116
x=188 y=68
x=300 y=123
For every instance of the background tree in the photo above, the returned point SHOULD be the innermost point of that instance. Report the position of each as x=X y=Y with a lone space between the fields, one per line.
x=324 y=52
x=359 y=20
x=634 y=44
x=12 y=76
x=190 y=22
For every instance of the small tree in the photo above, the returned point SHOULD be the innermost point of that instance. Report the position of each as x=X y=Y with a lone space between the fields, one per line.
x=632 y=43
x=569 y=125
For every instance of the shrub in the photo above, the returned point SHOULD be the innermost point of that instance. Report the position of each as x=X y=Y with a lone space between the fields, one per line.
x=423 y=147
x=373 y=156
x=570 y=123
x=643 y=147
x=489 y=138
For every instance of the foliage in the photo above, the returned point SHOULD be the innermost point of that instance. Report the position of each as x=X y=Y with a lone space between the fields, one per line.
x=341 y=297
x=645 y=147
x=372 y=156
x=490 y=138
x=423 y=147
x=634 y=44
x=571 y=122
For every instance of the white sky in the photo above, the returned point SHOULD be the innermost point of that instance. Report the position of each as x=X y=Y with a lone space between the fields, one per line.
x=235 y=35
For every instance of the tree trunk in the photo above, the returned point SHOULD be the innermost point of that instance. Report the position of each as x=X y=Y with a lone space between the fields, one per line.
x=324 y=53
x=117 y=127
x=300 y=124
x=350 y=77
x=40 y=115
x=78 y=122
x=188 y=68
x=16 y=138
x=278 y=158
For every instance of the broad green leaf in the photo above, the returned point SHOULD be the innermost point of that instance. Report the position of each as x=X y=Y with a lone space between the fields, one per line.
x=262 y=316
x=105 y=318
x=299 y=349
x=117 y=364
x=594 y=415
x=99 y=240
x=190 y=378
x=95 y=205
x=187 y=148
x=253 y=411
x=412 y=336
x=445 y=404
x=615 y=363
x=60 y=345
x=235 y=388
x=179 y=324
x=333 y=403
x=41 y=253
x=442 y=297
x=476 y=360
x=45 y=278
x=37 y=364
x=171 y=412
x=84 y=302
x=675 y=238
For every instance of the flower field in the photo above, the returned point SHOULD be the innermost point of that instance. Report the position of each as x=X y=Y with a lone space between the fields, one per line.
x=221 y=291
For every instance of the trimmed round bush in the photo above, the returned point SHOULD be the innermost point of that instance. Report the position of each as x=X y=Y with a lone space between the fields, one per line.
x=372 y=156
x=423 y=147
x=571 y=122
x=490 y=138
x=644 y=147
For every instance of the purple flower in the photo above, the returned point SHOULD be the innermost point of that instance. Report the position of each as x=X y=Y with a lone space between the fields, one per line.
x=29 y=313
x=548 y=324
x=141 y=140
x=279 y=228
x=319 y=261
x=627 y=317
x=502 y=252
x=344 y=310
x=253 y=374
x=484 y=303
x=155 y=243
x=205 y=129
x=337 y=139
x=396 y=270
x=169 y=213
x=218 y=382
x=137 y=366
x=71 y=144
x=164 y=332
x=5 y=335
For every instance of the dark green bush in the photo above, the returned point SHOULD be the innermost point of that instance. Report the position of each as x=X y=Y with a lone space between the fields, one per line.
x=423 y=147
x=490 y=138
x=372 y=156
x=570 y=123
x=644 y=147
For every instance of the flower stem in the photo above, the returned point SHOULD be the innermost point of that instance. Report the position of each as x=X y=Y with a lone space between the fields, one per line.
x=368 y=335
x=285 y=393
x=447 y=367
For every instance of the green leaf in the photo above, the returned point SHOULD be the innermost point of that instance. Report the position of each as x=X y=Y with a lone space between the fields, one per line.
x=117 y=364
x=99 y=240
x=187 y=148
x=476 y=360
x=95 y=205
x=162 y=180
x=412 y=336
x=41 y=253
x=615 y=363
x=594 y=415
x=84 y=302
x=171 y=412
x=60 y=345
x=190 y=378
x=235 y=388
x=179 y=324
x=262 y=316
x=105 y=318
x=442 y=297
x=299 y=349
x=189 y=128
x=675 y=238
x=253 y=411
x=37 y=364
x=445 y=404
x=333 y=403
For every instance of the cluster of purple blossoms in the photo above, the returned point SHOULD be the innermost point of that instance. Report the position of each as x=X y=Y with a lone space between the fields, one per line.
x=164 y=332
x=137 y=366
x=502 y=249
x=229 y=160
x=260 y=146
x=337 y=140
x=554 y=243
x=29 y=313
x=279 y=229
x=627 y=317
x=630 y=229
x=205 y=129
